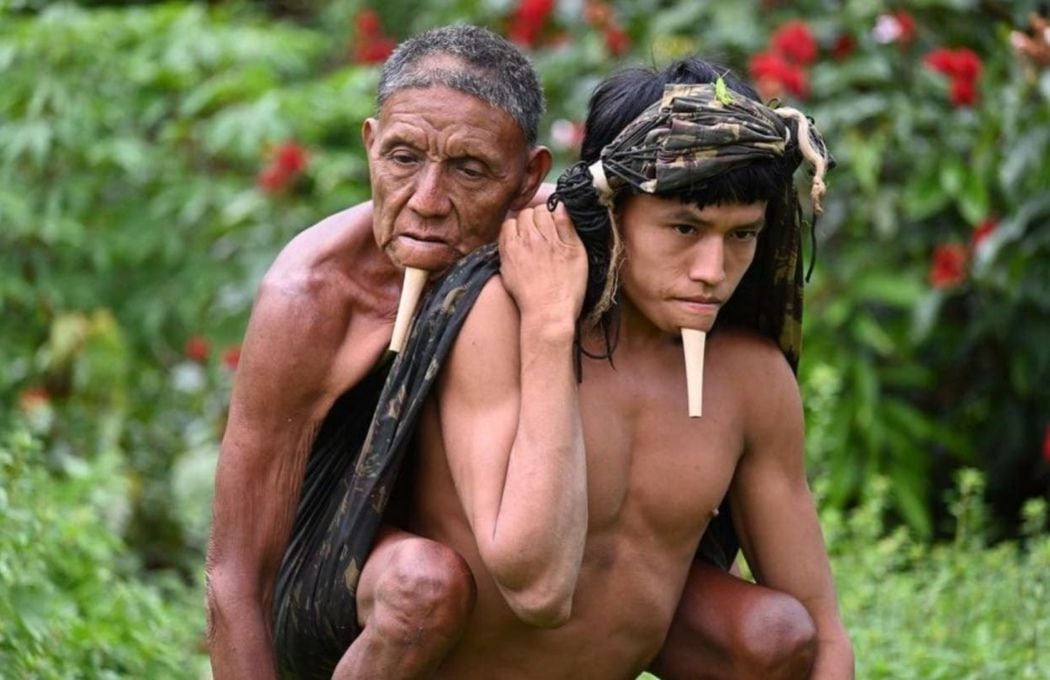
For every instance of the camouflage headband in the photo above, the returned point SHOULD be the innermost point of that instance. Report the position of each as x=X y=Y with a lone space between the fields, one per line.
x=696 y=132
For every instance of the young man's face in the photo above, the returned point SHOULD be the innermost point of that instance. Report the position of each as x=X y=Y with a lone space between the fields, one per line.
x=445 y=169
x=683 y=262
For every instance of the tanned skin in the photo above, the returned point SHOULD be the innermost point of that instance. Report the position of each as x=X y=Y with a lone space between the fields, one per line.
x=580 y=507
x=322 y=318
x=445 y=170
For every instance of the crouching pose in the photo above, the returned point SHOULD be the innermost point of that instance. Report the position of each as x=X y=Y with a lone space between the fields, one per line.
x=557 y=457
x=328 y=424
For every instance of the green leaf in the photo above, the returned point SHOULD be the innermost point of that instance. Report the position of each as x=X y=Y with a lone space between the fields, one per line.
x=973 y=198
x=952 y=176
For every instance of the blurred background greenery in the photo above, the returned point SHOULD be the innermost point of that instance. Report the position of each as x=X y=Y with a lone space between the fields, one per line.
x=154 y=157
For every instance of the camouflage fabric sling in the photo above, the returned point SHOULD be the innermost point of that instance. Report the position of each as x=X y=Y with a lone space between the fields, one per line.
x=350 y=475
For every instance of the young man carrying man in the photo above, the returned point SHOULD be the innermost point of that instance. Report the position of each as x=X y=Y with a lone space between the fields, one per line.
x=580 y=505
x=451 y=151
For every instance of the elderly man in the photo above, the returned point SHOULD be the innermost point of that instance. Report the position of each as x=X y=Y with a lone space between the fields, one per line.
x=451 y=151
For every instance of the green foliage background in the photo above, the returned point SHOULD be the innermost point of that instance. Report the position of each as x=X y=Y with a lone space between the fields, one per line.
x=132 y=220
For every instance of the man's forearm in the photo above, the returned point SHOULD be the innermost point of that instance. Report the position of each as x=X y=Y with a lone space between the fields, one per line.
x=239 y=639
x=834 y=660
x=542 y=522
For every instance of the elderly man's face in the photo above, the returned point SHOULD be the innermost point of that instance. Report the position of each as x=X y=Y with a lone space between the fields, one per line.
x=445 y=168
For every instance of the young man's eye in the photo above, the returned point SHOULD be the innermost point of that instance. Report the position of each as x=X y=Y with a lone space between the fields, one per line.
x=746 y=234
x=684 y=229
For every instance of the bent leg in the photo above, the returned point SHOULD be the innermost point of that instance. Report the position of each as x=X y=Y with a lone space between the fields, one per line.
x=727 y=628
x=413 y=601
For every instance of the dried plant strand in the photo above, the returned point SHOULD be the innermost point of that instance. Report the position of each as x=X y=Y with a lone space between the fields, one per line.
x=816 y=157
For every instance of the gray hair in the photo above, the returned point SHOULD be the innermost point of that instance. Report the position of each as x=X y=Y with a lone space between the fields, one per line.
x=490 y=68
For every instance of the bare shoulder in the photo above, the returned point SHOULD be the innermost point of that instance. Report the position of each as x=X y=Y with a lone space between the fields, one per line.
x=312 y=308
x=318 y=257
x=763 y=383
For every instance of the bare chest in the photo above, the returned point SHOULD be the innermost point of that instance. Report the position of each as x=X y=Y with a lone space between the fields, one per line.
x=652 y=470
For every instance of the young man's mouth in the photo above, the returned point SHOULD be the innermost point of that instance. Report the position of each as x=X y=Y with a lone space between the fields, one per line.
x=702 y=306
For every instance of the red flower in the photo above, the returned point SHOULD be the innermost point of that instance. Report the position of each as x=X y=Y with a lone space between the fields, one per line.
x=617 y=41
x=772 y=74
x=960 y=63
x=370 y=46
x=528 y=21
x=197 y=349
x=941 y=59
x=843 y=47
x=983 y=231
x=906 y=24
x=33 y=398
x=288 y=162
x=535 y=10
x=272 y=179
x=963 y=92
x=290 y=157
x=1046 y=444
x=373 y=50
x=967 y=64
x=367 y=22
x=963 y=66
x=949 y=265
x=231 y=356
x=795 y=41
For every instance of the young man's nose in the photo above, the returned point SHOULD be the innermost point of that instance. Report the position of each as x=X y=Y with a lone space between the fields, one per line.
x=707 y=260
x=430 y=195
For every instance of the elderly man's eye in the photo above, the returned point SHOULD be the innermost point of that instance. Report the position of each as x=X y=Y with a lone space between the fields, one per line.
x=403 y=158
x=470 y=170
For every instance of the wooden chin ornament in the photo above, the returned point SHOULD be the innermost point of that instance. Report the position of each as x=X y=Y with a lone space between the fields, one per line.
x=693 y=345
x=411 y=291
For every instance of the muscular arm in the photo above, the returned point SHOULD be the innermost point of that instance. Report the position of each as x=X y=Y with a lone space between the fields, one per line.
x=773 y=508
x=296 y=344
x=511 y=425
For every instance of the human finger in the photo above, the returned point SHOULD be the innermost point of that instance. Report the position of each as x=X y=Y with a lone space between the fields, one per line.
x=564 y=228
x=526 y=225
x=544 y=225
x=507 y=231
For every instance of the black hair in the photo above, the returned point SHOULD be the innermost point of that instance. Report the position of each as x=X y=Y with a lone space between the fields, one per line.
x=619 y=100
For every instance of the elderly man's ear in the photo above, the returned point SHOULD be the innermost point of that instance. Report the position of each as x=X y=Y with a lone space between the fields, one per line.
x=539 y=165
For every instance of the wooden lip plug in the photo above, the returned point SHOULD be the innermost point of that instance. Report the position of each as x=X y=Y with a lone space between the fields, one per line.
x=411 y=291
x=693 y=346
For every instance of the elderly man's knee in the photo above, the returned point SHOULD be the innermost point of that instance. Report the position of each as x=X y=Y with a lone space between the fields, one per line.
x=426 y=589
x=778 y=640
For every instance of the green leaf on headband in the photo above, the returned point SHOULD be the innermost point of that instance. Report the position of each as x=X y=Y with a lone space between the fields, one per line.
x=722 y=92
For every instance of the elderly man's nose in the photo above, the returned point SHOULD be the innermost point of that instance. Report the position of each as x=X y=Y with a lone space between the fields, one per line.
x=429 y=195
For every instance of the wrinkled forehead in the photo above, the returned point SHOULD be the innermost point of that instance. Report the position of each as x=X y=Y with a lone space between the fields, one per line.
x=443 y=110
x=442 y=70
